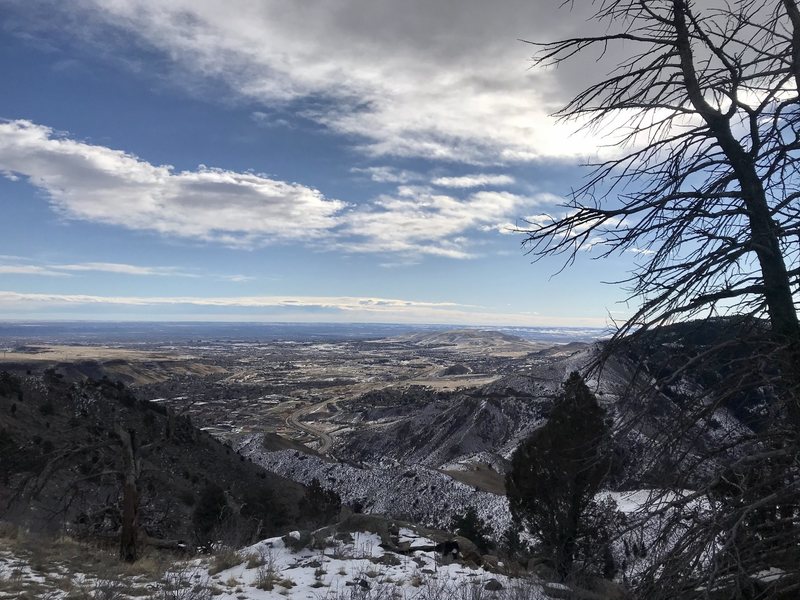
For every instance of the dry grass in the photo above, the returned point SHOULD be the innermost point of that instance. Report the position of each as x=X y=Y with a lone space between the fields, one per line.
x=39 y=567
x=224 y=559
x=254 y=560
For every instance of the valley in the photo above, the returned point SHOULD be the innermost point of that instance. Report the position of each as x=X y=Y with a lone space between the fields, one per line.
x=447 y=405
x=416 y=426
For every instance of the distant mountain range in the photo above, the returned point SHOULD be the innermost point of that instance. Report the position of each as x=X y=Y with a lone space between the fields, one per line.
x=76 y=332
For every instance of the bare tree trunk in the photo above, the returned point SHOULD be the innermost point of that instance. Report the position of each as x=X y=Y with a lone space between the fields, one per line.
x=777 y=288
x=128 y=539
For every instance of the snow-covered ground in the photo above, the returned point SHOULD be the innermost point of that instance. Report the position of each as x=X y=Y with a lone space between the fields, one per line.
x=358 y=568
x=350 y=566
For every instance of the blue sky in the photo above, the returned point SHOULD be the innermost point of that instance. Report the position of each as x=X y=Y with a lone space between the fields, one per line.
x=309 y=161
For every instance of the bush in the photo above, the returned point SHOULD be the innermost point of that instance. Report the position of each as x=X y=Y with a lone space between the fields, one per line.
x=184 y=583
x=224 y=559
x=259 y=505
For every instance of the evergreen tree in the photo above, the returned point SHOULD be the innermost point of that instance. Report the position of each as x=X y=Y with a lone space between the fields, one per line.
x=210 y=511
x=319 y=505
x=475 y=529
x=513 y=546
x=557 y=471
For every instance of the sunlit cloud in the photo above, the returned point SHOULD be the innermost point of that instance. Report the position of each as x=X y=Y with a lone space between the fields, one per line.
x=30 y=270
x=389 y=77
x=423 y=223
x=123 y=269
x=95 y=183
x=472 y=181
x=98 y=184
x=295 y=308
x=386 y=174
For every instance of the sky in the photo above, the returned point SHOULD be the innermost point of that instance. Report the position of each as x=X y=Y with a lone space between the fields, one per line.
x=317 y=160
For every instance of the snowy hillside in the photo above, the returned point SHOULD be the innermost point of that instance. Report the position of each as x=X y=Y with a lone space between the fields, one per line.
x=413 y=492
x=356 y=566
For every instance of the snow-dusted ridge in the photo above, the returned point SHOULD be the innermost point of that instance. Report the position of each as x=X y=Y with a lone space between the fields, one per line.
x=412 y=492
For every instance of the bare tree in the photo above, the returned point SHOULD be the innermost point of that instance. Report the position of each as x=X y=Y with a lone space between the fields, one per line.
x=705 y=193
x=703 y=186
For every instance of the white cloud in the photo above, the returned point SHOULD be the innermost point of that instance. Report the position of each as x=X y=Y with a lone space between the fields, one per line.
x=471 y=181
x=239 y=278
x=417 y=79
x=424 y=223
x=96 y=183
x=386 y=174
x=29 y=270
x=506 y=228
x=578 y=234
x=295 y=308
x=333 y=302
x=268 y=121
x=124 y=269
x=641 y=251
x=17 y=265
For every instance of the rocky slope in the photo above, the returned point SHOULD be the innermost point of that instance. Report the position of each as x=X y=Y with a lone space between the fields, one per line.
x=417 y=426
x=61 y=462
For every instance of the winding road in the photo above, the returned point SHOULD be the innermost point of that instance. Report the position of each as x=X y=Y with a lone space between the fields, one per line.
x=293 y=420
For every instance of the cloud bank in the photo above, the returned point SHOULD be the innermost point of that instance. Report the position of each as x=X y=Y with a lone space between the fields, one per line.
x=98 y=184
x=102 y=185
x=438 y=80
x=295 y=308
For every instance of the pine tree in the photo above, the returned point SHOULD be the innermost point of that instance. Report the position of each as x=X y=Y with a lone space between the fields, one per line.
x=210 y=511
x=320 y=505
x=557 y=471
x=513 y=546
x=475 y=529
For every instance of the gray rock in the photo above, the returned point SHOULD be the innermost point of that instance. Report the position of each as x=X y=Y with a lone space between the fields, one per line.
x=558 y=590
x=468 y=550
x=493 y=585
x=388 y=559
x=298 y=542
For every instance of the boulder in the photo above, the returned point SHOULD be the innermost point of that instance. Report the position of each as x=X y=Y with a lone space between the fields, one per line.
x=297 y=540
x=491 y=562
x=468 y=550
x=361 y=522
x=493 y=585
x=388 y=559
x=558 y=590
